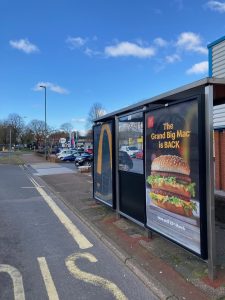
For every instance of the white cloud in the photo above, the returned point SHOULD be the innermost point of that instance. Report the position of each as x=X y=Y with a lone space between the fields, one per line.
x=90 y=52
x=217 y=6
x=170 y=59
x=52 y=87
x=160 y=42
x=129 y=49
x=24 y=45
x=75 y=42
x=190 y=41
x=199 y=68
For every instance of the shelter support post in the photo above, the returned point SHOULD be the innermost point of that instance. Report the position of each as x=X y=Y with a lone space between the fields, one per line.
x=117 y=166
x=211 y=232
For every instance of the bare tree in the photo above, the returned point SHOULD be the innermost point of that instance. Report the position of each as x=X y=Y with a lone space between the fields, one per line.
x=95 y=112
x=4 y=133
x=16 y=123
x=27 y=136
x=38 y=129
x=66 y=127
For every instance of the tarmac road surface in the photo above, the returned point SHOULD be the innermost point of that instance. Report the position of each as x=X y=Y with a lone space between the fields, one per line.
x=48 y=253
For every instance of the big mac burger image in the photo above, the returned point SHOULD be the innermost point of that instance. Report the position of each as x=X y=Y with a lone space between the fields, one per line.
x=171 y=186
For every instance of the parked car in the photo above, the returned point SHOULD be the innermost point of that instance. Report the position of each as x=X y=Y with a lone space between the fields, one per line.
x=79 y=150
x=70 y=157
x=89 y=150
x=125 y=162
x=131 y=150
x=58 y=150
x=85 y=159
x=65 y=153
x=139 y=154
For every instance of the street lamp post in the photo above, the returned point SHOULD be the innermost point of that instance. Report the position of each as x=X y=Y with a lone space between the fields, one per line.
x=44 y=87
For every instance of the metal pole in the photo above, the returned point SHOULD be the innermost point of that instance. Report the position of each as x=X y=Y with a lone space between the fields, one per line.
x=117 y=166
x=44 y=87
x=45 y=126
x=211 y=228
x=10 y=142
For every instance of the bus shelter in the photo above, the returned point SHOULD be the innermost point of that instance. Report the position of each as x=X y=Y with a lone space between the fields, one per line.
x=154 y=164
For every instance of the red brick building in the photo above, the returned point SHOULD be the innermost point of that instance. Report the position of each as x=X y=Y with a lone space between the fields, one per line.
x=219 y=146
x=217 y=70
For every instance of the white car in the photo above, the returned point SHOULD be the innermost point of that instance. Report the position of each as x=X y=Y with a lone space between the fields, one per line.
x=131 y=150
x=65 y=153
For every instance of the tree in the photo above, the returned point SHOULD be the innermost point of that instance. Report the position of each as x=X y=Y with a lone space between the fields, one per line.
x=38 y=129
x=95 y=112
x=66 y=127
x=27 y=136
x=16 y=123
x=4 y=133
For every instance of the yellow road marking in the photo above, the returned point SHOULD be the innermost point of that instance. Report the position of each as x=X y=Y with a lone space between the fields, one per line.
x=79 y=238
x=16 y=279
x=90 y=278
x=29 y=187
x=49 y=284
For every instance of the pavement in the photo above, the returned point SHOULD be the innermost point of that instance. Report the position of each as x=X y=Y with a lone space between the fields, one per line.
x=167 y=269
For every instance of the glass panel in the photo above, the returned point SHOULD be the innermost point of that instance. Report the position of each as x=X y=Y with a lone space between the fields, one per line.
x=131 y=143
x=103 y=163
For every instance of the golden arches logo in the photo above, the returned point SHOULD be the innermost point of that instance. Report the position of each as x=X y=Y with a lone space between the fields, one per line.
x=105 y=128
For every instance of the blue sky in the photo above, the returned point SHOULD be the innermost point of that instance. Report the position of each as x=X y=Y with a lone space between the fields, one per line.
x=116 y=52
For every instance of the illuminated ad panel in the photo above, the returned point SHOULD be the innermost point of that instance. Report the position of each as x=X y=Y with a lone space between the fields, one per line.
x=103 y=163
x=173 y=186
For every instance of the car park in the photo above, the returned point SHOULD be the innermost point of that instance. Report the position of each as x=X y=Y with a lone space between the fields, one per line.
x=89 y=150
x=85 y=159
x=65 y=153
x=131 y=150
x=139 y=154
x=79 y=150
x=71 y=157
x=58 y=150
x=125 y=162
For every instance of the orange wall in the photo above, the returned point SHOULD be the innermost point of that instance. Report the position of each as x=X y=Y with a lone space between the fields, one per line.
x=219 y=143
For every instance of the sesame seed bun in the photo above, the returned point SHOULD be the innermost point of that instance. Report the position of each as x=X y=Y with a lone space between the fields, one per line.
x=170 y=163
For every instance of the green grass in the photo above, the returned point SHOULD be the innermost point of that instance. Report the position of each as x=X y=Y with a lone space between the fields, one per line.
x=14 y=158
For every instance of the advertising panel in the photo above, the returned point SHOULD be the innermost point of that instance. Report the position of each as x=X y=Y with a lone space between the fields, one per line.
x=173 y=191
x=103 y=163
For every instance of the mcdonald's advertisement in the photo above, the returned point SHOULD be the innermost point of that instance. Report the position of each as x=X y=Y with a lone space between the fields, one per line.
x=103 y=163
x=172 y=173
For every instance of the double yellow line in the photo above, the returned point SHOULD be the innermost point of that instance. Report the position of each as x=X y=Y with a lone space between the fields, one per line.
x=78 y=237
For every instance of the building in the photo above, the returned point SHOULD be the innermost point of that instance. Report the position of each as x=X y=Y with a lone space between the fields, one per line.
x=217 y=70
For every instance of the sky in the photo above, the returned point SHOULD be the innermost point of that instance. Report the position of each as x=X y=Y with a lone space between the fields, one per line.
x=115 y=52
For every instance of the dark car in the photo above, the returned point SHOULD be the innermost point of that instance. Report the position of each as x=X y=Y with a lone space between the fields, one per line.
x=125 y=162
x=79 y=150
x=85 y=159
x=58 y=149
x=70 y=157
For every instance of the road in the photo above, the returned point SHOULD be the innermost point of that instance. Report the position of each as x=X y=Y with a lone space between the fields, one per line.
x=48 y=253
